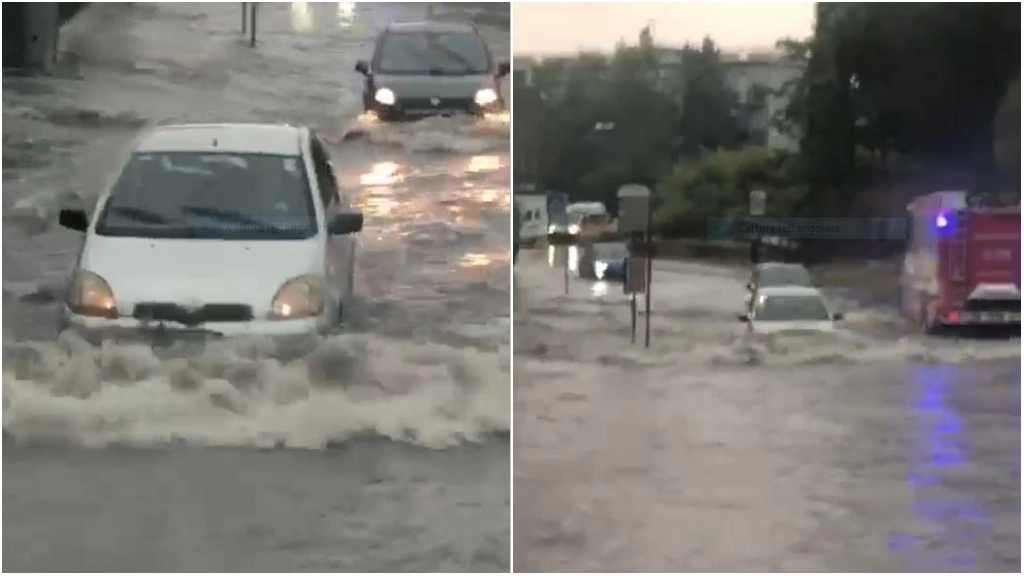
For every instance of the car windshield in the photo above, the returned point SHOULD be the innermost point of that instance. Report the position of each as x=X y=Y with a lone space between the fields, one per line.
x=203 y=195
x=791 y=308
x=784 y=276
x=435 y=53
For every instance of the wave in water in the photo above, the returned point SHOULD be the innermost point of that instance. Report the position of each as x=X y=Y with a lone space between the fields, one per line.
x=253 y=393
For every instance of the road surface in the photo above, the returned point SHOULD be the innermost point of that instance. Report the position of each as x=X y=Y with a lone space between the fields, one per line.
x=384 y=448
x=869 y=451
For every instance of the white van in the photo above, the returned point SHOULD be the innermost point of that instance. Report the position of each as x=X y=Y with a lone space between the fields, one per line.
x=533 y=218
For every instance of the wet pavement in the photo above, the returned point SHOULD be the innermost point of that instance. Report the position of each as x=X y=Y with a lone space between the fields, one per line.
x=384 y=447
x=864 y=451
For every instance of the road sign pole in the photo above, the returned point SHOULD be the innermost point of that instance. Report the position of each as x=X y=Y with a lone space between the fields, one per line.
x=635 y=220
x=647 y=291
x=758 y=207
x=565 y=270
x=632 y=318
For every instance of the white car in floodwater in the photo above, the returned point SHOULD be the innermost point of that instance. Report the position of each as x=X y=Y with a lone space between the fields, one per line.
x=790 y=309
x=223 y=229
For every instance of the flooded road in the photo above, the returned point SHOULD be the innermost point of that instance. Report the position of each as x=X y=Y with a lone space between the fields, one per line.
x=866 y=451
x=384 y=447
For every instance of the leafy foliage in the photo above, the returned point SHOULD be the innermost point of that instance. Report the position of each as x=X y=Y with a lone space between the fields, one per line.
x=885 y=86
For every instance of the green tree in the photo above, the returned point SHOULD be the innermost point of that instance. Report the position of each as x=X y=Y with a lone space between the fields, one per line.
x=923 y=80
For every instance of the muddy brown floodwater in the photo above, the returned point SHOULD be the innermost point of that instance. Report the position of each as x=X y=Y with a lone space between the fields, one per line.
x=383 y=448
x=863 y=451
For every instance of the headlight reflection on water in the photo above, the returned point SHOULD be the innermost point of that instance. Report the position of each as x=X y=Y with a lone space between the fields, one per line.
x=382 y=174
x=484 y=164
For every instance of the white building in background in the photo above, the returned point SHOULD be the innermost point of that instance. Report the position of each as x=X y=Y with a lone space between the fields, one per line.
x=762 y=82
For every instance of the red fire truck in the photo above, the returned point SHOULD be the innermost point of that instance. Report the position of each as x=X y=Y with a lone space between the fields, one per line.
x=962 y=264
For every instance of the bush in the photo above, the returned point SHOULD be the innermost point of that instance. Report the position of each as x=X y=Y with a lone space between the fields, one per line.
x=718 y=185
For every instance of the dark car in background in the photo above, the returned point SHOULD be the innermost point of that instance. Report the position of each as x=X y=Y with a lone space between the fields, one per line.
x=422 y=69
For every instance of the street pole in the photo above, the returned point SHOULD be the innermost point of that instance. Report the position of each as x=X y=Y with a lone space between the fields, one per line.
x=647 y=292
x=252 y=24
x=244 y=17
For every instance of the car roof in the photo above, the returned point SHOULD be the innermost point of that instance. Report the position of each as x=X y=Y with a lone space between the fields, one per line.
x=278 y=139
x=790 y=291
x=429 y=26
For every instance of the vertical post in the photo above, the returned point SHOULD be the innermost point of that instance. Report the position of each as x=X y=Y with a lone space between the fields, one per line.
x=647 y=293
x=41 y=22
x=244 y=18
x=565 y=269
x=758 y=206
x=252 y=23
x=632 y=318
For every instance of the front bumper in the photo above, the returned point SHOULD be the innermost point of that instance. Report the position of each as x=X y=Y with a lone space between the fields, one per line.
x=981 y=318
x=96 y=330
x=412 y=111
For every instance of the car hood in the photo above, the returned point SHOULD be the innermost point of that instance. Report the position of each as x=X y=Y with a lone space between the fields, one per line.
x=408 y=86
x=795 y=327
x=206 y=271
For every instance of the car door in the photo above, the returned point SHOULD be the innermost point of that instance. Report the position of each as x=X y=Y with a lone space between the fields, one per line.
x=337 y=255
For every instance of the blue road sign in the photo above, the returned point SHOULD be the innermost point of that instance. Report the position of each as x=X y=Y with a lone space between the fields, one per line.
x=558 y=203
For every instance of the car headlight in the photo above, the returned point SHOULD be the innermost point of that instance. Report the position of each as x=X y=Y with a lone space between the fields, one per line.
x=90 y=295
x=299 y=297
x=385 y=96
x=574 y=229
x=600 y=268
x=485 y=96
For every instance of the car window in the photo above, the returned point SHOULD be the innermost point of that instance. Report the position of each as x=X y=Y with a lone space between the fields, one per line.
x=436 y=53
x=324 y=173
x=782 y=308
x=210 y=195
x=784 y=276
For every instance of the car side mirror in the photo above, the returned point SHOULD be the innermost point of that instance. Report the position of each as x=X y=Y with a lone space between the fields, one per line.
x=503 y=68
x=345 y=223
x=837 y=315
x=743 y=318
x=750 y=286
x=363 y=67
x=73 y=219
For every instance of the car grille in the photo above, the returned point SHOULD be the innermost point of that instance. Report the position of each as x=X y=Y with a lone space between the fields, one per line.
x=425 y=106
x=171 y=312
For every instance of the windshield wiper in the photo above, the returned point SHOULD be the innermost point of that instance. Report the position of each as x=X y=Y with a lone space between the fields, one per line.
x=231 y=216
x=140 y=215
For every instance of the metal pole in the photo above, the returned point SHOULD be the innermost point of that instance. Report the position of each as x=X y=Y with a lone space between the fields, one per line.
x=632 y=322
x=244 y=23
x=565 y=269
x=252 y=24
x=647 y=281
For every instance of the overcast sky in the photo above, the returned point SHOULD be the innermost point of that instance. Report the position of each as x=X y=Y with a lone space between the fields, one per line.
x=566 y=27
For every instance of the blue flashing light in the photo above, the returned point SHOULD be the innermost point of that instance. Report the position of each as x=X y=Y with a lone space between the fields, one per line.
x=941 y=221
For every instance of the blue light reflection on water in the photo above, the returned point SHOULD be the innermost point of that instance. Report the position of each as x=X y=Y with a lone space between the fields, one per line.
x=953 y=519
